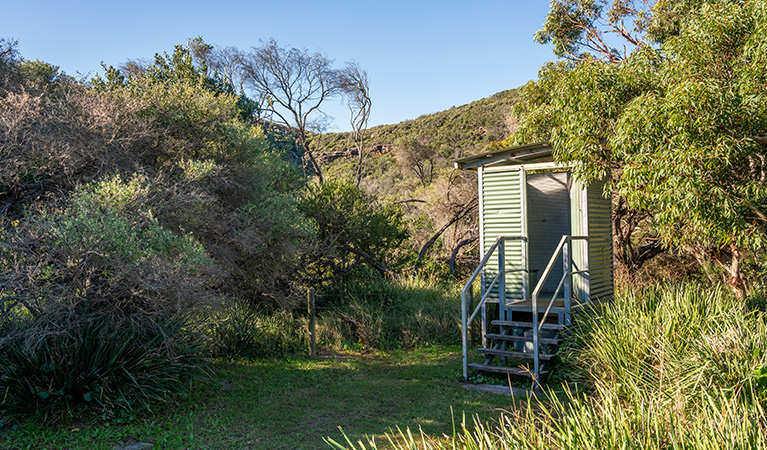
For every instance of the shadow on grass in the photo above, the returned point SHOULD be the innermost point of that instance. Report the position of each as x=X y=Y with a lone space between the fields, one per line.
x=294 y=403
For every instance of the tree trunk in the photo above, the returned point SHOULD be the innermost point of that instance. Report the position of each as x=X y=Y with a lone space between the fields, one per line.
x=736 y=280
x=468 y=208
x=457 y=248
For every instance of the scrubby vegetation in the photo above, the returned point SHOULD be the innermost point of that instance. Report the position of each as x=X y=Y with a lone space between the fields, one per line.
x=148 y=224
x=459 y=131
x=155 y=227
x=410 y=164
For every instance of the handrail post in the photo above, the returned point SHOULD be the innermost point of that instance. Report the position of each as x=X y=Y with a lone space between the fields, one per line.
x=566 y=251
x=464 y=333
x=536 y=349
x=502 y=271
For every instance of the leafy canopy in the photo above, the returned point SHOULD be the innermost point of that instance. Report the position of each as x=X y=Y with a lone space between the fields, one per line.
x=680 y=126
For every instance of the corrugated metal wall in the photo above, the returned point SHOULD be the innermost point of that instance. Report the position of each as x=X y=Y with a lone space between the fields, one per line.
x=601 y=243
x=579 y=226
x=501 y=215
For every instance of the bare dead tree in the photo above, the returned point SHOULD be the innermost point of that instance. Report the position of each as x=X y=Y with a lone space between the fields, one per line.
x=294 y=83
x=356 y=87
x=134 y=67
x=227 y=62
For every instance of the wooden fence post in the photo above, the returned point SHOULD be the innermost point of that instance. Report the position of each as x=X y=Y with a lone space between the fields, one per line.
x=312 y=324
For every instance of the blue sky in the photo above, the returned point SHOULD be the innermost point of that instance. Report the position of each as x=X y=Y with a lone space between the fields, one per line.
x=421 y=56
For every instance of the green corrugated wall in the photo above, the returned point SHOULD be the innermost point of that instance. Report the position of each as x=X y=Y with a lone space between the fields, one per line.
x=579 y=227
x=501 y=215
x=600 y=244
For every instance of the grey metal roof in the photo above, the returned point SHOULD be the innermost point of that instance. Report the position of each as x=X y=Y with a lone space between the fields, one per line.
x=516 y=155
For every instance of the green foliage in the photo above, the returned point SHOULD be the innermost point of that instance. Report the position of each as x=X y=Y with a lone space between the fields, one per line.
x=409 y=164
x=701 y=338
x=100 y=291
x=376 y=313
x=680 y=127
x=112 y=216
x=663 y=368
x=126 y=209
x=40 y=73
x=104 y=251
x=187 y=66
x=456 y=132
x=695 y=132
x=351 y=228
x=366 y=313
x=240 y=330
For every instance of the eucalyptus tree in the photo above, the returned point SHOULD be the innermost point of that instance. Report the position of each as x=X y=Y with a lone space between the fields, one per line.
x=355 y=86
x=679 y=124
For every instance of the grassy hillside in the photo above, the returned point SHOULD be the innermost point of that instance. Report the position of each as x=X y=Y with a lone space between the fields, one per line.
x=455 y=132
x=410 y=164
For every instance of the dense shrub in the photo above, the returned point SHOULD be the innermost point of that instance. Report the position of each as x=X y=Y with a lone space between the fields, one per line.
x=102 y=252
x=126 y=207
x=95 y=299
x=351 y=228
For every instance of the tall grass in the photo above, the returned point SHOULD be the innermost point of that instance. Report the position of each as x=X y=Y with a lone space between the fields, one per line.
x=386 y=314
x=660 y=368
x=379 y=314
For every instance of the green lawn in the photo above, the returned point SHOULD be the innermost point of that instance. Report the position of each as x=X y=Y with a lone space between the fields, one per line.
x=293 y=404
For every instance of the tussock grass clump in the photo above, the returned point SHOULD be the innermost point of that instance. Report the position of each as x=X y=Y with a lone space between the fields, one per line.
x=384 y=314
x=669 y=342
x=55 y=366
x=241 y=330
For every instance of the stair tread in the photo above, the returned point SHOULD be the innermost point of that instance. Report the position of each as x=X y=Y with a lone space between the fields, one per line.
x=515 y=354
x=509 y=323
x=508 y=337
x=503 y=369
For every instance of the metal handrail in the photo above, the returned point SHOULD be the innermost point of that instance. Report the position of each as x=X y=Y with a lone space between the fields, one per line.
x=564 y=247
x=500 y=279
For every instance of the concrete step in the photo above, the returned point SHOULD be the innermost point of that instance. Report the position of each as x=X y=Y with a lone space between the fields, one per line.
x=501 y=369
